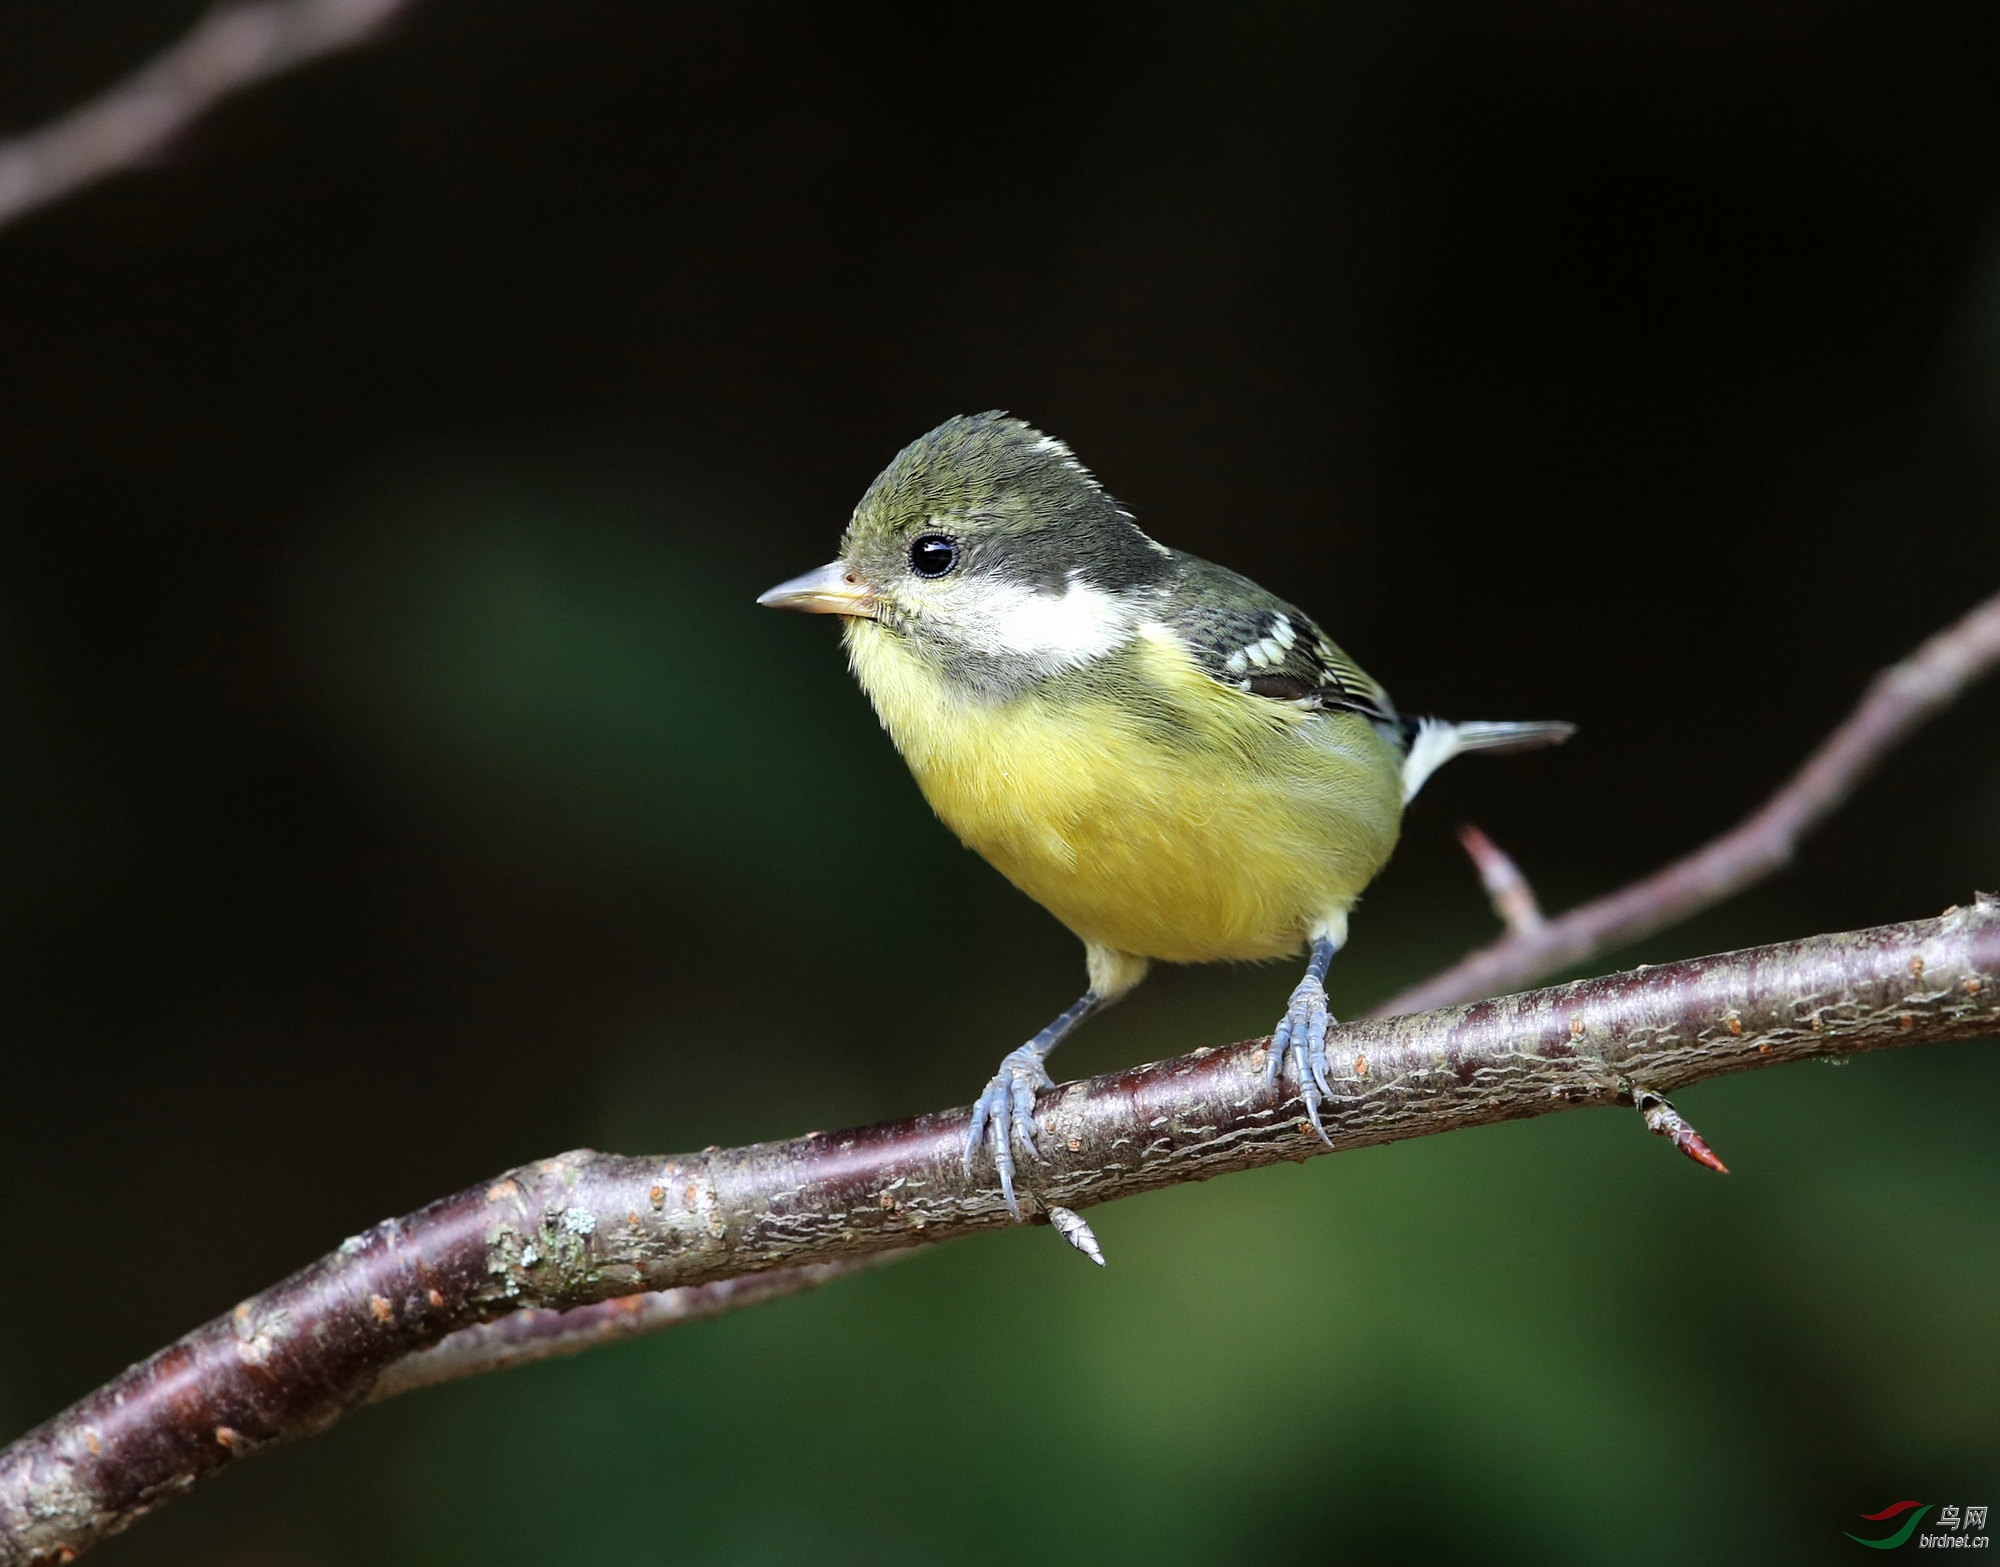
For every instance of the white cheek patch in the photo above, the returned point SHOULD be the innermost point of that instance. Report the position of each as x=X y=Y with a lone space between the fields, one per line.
x=1051 y=631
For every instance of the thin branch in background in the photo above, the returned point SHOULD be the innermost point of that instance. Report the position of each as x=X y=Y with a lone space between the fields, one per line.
x=1898 y=700
x=1508 y=890
x=587 y=1227
x=538 y=1333
x=227 y=51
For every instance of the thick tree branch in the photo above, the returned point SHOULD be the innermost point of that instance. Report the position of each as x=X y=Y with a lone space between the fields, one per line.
x=585 y=1227
x=227 y=51
x=1898 y=700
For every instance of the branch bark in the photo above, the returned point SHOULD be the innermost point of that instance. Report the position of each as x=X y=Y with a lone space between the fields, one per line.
x=1901 y=698
x=227 y=51
x=585 y=1227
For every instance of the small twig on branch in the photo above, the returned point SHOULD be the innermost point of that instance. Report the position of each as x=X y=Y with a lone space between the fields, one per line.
x=1512 y=898
x=1898 y=700
x=537 y=1333
x=227 y=51
x=1075 y=1229
x=1663 y=1120
x=587 y=1227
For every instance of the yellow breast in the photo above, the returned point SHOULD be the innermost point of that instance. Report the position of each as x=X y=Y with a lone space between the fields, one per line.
x=1149 y=808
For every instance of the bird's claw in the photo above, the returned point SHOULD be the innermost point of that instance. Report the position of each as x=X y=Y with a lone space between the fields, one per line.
x=1005 y=1114
x=1300 y=1041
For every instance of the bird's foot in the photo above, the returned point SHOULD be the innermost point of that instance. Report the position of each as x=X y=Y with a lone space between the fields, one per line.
x=1300 y=1041
x=1005 y=1115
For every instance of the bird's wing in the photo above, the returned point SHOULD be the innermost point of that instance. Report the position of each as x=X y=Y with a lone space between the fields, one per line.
x=1242 y=636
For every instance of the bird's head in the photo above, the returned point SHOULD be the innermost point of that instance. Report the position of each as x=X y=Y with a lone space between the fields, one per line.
x=991 y=549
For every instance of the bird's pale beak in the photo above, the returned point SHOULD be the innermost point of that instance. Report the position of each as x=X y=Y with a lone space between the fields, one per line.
x=834 y=589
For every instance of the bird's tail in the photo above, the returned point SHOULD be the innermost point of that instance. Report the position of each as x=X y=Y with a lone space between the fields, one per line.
x=1436 y=741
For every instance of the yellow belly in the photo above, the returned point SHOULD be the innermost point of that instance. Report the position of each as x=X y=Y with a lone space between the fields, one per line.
x=1148 y=808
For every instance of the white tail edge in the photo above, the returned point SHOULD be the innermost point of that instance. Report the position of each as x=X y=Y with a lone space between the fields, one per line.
x=1437 y=741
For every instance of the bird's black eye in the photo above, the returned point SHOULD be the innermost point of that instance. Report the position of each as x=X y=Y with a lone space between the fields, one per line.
x=933 y=555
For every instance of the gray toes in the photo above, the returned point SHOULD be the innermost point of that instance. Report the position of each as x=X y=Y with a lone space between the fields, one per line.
x=1280 y=1041
x=1300 y=1044
x=1024 y=1115
x=1005 y=1115
x=973 y=1132
x=1003 y=1164
x=1316 y=1049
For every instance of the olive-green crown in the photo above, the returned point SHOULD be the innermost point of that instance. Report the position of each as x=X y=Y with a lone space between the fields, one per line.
x=1017 y=501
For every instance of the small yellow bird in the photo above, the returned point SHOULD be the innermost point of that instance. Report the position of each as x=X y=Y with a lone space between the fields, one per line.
x=1173 y=762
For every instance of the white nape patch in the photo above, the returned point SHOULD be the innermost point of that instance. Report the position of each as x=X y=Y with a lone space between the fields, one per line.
x=1061 y=452
x=1050 y=630
x=1437 y=742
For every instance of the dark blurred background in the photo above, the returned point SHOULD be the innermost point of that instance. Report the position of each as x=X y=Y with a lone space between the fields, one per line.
x=398 y=783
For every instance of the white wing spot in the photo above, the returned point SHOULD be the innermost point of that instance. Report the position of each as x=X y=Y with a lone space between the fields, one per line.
x=1237 y=662
x=1283 y=632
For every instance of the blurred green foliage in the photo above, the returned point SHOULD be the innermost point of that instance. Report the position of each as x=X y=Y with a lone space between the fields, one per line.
x=578 y=677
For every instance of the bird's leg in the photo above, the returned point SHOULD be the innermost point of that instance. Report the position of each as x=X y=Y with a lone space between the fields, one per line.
x=1006 y=1111
x=1301 y=1036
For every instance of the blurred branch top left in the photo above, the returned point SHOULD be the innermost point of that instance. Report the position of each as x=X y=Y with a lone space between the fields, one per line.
x=227 y=51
